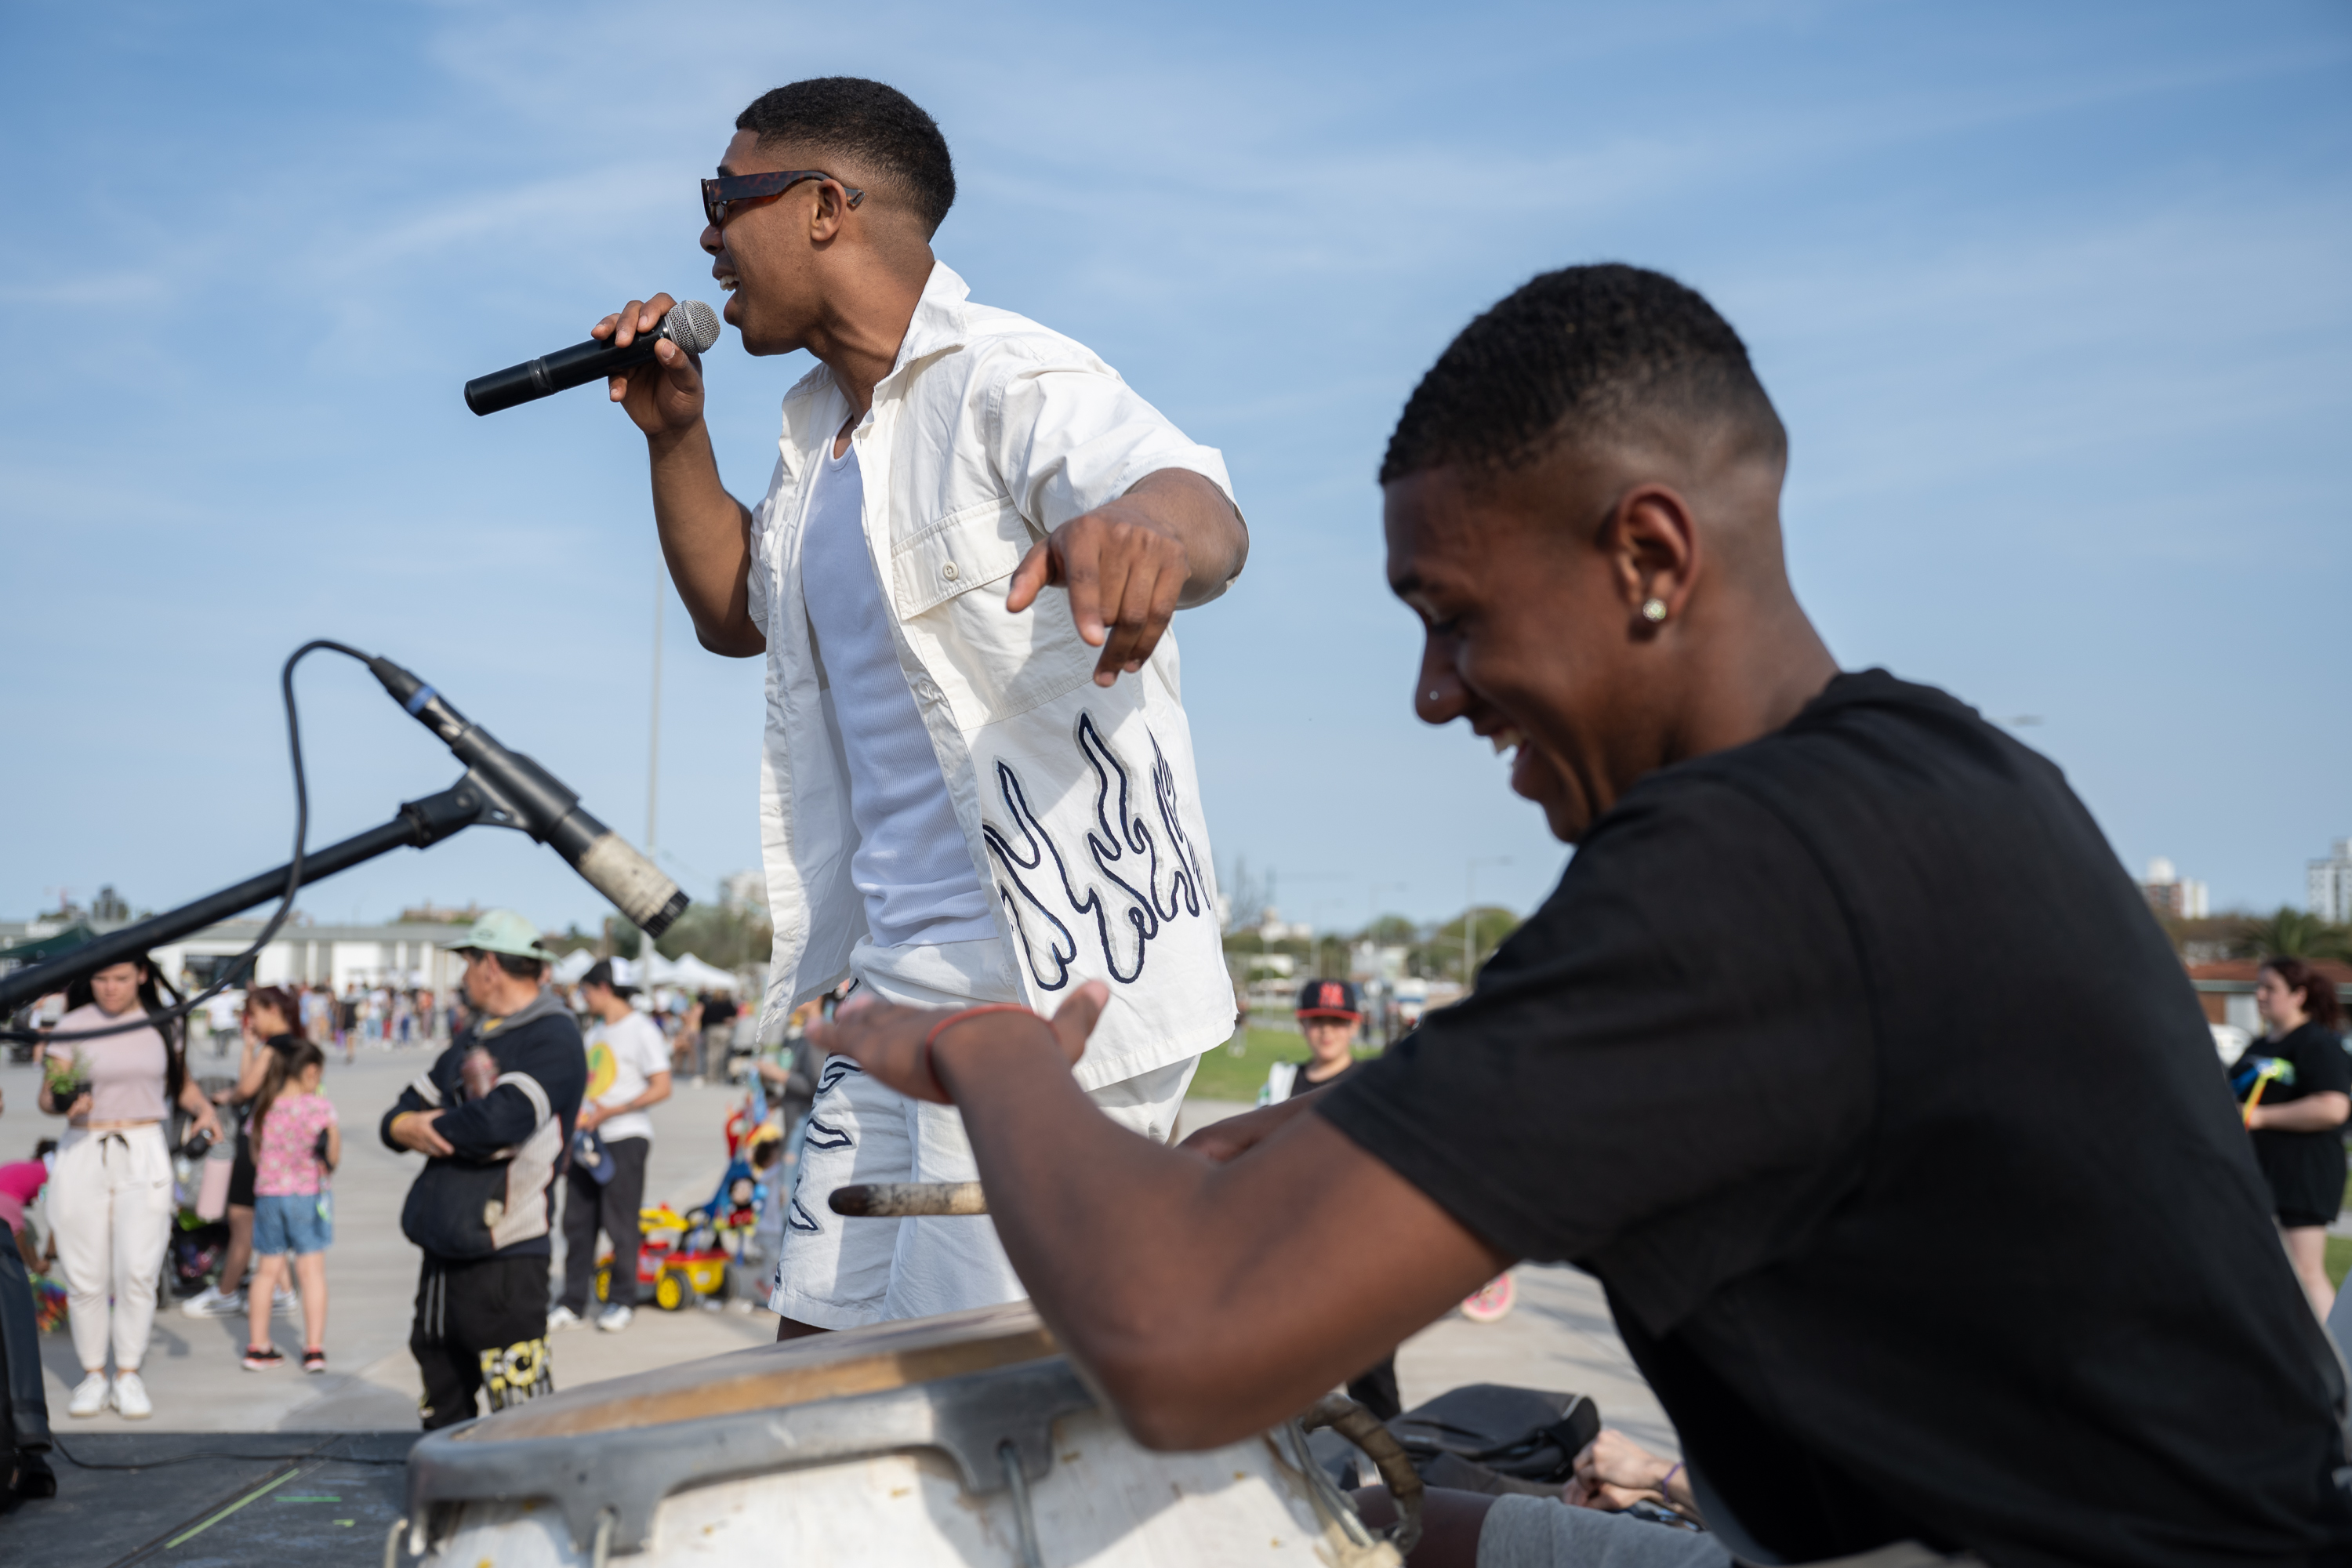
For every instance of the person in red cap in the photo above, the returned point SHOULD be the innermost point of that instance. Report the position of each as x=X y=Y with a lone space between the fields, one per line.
x=1331 y=1020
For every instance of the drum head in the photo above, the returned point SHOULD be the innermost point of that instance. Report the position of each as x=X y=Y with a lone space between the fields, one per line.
x=795 y=1372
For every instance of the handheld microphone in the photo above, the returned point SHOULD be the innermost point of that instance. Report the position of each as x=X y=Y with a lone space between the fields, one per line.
x=543 y=808
x=690 y=325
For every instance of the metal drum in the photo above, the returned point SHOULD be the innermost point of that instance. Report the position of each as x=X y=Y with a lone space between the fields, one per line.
x=964 y=1439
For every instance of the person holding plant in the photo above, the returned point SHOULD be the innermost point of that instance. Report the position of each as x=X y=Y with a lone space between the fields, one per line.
x=297 y=1143
x=111 y=1196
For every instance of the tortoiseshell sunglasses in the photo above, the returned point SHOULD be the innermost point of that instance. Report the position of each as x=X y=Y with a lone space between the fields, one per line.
x=726 y=191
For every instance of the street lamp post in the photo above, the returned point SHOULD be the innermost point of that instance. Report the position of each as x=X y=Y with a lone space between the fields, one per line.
x=653 y=743
x=1470 y=913
x=1379 y=985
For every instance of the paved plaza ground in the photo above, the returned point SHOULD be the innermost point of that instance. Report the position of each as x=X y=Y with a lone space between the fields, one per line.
x=1559 y=1337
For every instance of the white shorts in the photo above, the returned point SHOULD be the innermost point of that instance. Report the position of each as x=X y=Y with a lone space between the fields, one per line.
x=841 y=1273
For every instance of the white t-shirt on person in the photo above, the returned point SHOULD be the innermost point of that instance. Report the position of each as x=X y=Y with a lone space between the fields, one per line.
x=621 y=1058
x=912 y=866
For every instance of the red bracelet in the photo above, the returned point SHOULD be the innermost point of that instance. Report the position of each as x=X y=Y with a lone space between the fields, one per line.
x=951 y=1020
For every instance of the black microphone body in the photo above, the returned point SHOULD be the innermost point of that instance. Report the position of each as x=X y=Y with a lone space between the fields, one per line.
x=690 y=325
x=544 y=808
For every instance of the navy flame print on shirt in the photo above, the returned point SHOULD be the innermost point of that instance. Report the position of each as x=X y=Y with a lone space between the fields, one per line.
x=1130 y=881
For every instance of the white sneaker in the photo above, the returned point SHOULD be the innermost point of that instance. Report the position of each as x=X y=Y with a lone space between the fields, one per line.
x=286 y=1303
x=614 y=1318
x=130 y=1397
x=89 y=1395
x=212 y=1301
x=564 y=1317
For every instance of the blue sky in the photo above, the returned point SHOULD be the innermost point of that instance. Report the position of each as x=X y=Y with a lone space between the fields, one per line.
x=2056 y=301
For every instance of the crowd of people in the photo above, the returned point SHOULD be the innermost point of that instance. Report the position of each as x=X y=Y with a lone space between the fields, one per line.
x=382 y=1014
x=90 y=1206
x=96 y=1208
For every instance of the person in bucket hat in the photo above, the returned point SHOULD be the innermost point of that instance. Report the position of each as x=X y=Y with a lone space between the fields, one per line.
x=491 y=1116
x=501 y=932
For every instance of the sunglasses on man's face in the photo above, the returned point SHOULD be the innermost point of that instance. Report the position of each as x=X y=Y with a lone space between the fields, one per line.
x=729 y=190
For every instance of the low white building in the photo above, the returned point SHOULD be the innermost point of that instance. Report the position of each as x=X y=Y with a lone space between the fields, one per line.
x=337 y=956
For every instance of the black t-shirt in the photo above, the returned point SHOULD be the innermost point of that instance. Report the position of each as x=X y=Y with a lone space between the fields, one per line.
x=1854 y=1066
x=2305 y=1170
x=1301 y=1084
x=717 y=1010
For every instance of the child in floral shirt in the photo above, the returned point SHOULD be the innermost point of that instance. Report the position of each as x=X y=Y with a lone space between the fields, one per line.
x=296 y=1143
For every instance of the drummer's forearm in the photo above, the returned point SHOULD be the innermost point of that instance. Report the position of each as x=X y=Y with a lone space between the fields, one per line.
x=1210 y=1302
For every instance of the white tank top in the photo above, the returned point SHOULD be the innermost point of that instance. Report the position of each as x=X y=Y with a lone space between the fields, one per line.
x=912 y=864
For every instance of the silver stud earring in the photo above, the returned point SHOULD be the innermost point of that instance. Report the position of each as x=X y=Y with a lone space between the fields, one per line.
x=1432 y=694
x=1653 y=610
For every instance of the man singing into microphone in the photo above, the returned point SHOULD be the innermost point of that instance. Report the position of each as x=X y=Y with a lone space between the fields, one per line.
x=974 y=531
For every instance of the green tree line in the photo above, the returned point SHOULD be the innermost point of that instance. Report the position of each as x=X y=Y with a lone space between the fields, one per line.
x=1433 y=951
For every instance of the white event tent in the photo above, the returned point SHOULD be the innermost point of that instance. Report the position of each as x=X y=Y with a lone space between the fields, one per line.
x=687 y=971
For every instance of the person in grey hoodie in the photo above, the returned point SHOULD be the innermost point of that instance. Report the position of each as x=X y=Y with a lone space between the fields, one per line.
x=492 y=1116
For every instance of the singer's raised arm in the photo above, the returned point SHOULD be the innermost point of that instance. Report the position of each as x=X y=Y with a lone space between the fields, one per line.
x=705 y=532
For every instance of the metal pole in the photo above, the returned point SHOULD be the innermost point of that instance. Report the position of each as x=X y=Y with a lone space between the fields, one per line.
x=1470 y=913
x=653 y=745
x=1469 y=922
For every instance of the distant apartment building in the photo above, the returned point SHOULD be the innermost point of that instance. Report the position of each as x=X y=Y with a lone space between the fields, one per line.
x=2170 y=893
x=2328 y=885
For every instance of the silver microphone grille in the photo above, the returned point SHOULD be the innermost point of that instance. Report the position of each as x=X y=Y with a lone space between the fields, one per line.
x=691 y=325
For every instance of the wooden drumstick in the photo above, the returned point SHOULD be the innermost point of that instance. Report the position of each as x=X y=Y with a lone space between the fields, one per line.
x=896 y=1200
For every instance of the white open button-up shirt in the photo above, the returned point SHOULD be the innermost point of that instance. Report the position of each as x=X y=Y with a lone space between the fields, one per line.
x=1079 y=805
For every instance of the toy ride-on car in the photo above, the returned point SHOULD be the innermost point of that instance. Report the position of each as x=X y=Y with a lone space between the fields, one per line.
x=678 y=1260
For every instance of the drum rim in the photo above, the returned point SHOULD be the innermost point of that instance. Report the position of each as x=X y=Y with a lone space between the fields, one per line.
x=969 y=1418
x=897 y=1354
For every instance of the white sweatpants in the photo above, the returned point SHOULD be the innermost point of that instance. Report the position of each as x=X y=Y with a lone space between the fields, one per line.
x=840 y=1273
x=110 y=1202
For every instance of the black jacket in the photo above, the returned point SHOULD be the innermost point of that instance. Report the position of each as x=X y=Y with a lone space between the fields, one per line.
x=492 y=1195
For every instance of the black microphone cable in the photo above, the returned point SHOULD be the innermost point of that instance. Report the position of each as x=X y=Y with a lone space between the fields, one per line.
x=237 y=967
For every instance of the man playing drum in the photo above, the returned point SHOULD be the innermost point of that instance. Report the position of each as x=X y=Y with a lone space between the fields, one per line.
x=961 y=802
x=1794 y=1058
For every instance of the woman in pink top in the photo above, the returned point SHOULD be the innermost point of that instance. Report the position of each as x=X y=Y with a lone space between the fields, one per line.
x=111 y=1196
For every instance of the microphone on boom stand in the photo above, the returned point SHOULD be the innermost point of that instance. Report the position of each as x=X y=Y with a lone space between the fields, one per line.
x=500 y=789
x=540 y=806
x=690 y=325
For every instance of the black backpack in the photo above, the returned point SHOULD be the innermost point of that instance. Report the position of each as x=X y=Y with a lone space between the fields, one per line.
x=1482 y=1438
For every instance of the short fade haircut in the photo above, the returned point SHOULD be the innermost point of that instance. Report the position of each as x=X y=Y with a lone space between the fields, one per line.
x=520 y=967
x=869 y=121
x=1583 y=353
x=514 y=963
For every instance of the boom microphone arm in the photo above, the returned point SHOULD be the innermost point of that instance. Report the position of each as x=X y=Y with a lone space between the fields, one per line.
x=420 y=823
x=500 y=789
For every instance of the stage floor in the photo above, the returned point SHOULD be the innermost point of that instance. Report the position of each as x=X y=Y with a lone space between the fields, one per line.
x=214 y=1497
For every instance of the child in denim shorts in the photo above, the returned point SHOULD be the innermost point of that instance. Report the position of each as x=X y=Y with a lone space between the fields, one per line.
x=296 y=1143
